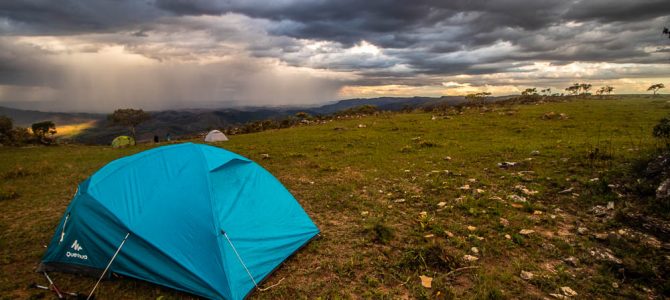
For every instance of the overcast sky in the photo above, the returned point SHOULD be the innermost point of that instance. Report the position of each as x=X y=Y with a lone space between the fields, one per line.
x=98 y=55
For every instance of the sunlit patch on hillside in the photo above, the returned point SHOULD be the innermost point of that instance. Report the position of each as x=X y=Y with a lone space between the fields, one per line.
x=73 y=129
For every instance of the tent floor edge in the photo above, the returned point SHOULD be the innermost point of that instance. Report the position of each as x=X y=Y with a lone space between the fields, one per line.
x=69 y=268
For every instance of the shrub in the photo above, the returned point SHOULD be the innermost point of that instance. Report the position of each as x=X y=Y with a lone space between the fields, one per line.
x=662 y=130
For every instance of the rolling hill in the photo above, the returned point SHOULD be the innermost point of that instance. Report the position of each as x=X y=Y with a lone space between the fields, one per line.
x=487 y=203
x=190 y=122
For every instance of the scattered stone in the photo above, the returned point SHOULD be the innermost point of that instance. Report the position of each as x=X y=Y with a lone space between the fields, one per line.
x=471 y=228
x=615 y=285
x=507 y=236
x=365 y=213
x=507 y=164
x=441 y=204
x=605 y=255
x=448 y=233
x=572 y=261
x=516 y=198
x=652 y=242
x=480 y=191
x=465 y=187
x=428 y=236
x=474 y=250
x=601 y=236
x=549 y=115
x=401 y=200
x=447 y=158
x=362 y=126
x=479 y=238
x=472 y=180
x=582 y=230
x=526 y=231
x=566 y=290
x=537 y=212
x=535 y=153
x=526 y=275
x=265 y=156
x=559 y=296
x=599 y=210
x=426 y=281
x=525 y=190
x=470 y=258
x=610 y=205
x=504 y=222
x=663 y=190
x=548 y=246
x=594 y=179
x=566 y=191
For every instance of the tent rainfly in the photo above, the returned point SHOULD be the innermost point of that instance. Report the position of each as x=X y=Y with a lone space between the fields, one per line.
x=123 y=141
x=191 y=217
x=215 y=136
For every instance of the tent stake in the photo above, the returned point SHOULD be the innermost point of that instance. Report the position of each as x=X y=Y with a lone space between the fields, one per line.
x=108 y=265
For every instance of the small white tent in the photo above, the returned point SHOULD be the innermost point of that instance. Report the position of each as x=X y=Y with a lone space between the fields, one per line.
x=215 y=136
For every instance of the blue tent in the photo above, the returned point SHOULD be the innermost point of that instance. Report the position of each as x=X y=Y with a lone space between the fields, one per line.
x=195 y=218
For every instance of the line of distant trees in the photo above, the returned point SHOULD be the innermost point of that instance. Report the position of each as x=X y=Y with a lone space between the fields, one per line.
x=39 y=133
x=577 y=89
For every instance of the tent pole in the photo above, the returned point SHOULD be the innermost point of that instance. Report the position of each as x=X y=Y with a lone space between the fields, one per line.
x=240 y=259
x=108 y=265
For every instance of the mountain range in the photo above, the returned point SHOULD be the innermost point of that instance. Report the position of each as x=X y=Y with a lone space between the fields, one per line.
x=194 y=121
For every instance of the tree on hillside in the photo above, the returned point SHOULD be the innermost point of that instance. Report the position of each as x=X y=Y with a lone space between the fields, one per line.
x=129 y=117
x=6 y=125
x=44 y=131
x=302 y=115
x=604 y=90
x=574 y=89
x=529 y=92
x=585 y=87
x=475 y=97
x=656 y=87
x=666 y=32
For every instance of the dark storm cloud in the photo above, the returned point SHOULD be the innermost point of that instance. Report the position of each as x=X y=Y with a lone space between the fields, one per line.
x=23 y=65
x=323 y=44
x=538 y=29
x=73 y=16
x=614 y=11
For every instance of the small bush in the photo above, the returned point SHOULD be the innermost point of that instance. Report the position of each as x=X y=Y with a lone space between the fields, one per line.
x=381 y=233
x=8 y=195
x=662 y=130
x=427 y=144
x=429 y=257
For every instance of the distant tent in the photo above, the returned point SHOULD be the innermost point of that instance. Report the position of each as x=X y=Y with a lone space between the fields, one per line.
x=191 y=217
x=123 y=141
x=215 y=136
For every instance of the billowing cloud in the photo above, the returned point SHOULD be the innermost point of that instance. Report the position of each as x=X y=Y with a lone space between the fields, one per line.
x=99 y=54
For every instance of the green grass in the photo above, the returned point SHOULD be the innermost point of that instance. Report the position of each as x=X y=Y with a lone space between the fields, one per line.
x=339 y=174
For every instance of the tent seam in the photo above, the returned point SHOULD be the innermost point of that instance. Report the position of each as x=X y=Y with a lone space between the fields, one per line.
x=215 y=221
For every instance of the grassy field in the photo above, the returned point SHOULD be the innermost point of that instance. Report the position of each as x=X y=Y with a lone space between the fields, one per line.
x=406 y=195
